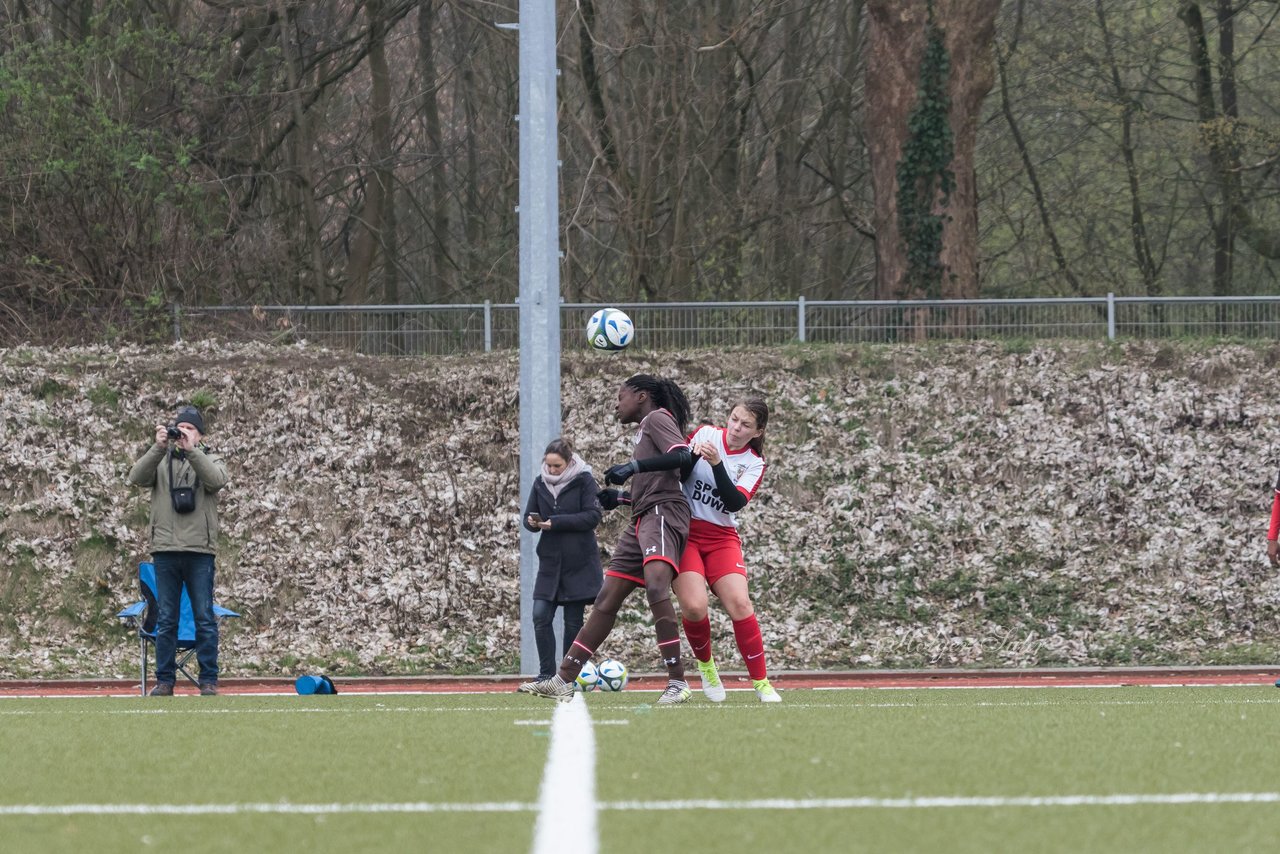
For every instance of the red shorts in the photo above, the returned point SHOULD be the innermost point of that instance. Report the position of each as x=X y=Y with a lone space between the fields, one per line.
x=713 y=552
x=658 y=534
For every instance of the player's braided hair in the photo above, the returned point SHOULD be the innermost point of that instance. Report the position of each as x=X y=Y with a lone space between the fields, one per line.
x=666 y=394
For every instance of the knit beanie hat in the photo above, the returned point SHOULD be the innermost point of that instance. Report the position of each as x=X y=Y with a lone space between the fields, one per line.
x=191 y=415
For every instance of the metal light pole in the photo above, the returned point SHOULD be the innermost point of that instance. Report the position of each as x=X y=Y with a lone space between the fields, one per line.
x=539 y=278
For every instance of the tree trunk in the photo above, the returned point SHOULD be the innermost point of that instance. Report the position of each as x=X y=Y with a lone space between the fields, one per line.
x=315 y=288
x=786 y=247
x=726 y=148
x=471 y=180
x=369 y=237
x=897 y=35
x=833 y=272
x=437 y=278
x=1137 y=218
x=1222 y=199
x=1033 y=178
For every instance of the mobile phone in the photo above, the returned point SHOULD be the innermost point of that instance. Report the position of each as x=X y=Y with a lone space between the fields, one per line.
x=537 y=520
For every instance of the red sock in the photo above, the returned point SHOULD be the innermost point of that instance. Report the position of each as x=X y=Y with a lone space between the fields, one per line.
x=699 y=637
x=751 y=645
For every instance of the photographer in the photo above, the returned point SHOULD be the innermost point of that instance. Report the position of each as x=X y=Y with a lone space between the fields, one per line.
x=184 y=479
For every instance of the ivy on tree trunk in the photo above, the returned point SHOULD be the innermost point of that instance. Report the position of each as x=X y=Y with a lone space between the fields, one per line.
x=925 y=179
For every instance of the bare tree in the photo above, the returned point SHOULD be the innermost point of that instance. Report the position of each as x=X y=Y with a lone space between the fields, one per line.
x=302 y=152
x=898 y=34
x=1137 y=217
x=1003 y=54
x=439 y=270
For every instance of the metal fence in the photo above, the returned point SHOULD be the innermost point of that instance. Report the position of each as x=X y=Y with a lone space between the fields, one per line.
x=467 y=328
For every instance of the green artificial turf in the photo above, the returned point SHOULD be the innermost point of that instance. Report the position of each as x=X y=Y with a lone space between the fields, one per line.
x=709 y=766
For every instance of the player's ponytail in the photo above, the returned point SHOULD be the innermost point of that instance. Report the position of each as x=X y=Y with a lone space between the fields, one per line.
x=665 y=393
x=674 y=399
x=759 y=410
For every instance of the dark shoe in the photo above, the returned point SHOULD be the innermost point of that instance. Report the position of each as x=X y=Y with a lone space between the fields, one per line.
x=208 y=689
x=162 y=689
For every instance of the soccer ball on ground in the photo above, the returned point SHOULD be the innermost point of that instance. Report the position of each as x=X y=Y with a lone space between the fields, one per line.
x=587 y=678
x=610 y=329
x=612 y=675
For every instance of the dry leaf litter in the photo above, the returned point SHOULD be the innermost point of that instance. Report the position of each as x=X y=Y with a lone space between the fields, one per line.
x=946 y=505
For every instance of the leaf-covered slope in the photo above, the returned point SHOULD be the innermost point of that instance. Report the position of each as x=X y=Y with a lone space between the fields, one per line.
x=944 y=505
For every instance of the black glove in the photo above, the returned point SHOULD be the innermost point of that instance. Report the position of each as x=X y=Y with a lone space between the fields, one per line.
x=621 y=473
x=609 y=498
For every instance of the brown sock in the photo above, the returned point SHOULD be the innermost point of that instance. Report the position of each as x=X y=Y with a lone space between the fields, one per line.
x=668 y=632
x=593 y=633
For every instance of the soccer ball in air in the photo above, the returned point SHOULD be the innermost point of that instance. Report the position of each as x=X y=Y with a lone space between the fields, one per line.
x=610 y=329
x=612 y=675
x=587 y=678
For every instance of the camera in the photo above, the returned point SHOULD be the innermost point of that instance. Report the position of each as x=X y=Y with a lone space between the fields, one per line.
x=174 y=433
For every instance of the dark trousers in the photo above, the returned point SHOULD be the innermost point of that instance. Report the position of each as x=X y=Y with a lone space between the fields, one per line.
x=544 y=634
x=195 y=569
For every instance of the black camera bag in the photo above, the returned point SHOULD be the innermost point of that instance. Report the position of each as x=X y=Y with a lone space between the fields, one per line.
x=183 y=497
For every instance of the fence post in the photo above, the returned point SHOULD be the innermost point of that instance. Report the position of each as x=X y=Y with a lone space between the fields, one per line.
x=1111 y=316
x=177 y=325
x=488 y=327
x=800 y=322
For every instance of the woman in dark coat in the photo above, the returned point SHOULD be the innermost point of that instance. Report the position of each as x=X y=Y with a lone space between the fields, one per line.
x=563 y=507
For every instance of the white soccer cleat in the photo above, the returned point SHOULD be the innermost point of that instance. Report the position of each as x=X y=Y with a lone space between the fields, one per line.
x=677 y=692
x=554 y=688
x=766 y=692
x=527 y=687
x=711 y=684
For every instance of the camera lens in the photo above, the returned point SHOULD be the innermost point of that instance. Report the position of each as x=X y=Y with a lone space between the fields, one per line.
x=174 y=432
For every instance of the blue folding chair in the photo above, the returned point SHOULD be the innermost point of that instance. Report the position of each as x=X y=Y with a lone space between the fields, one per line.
x=143 y=615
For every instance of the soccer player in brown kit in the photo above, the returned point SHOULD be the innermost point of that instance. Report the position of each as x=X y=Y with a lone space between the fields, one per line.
x=648 y=552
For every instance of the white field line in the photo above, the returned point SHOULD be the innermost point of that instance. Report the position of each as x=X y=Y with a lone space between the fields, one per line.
x=623 y=722
x=564 y=841
x=1114 y=686
x=567 y=800
x=952 y=802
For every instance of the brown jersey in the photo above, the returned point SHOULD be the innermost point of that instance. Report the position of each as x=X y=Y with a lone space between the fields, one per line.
x=658 y=434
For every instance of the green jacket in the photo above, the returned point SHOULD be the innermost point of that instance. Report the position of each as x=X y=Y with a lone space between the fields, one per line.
x=196 y=531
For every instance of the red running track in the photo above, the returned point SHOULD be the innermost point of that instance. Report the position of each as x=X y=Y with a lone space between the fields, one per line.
x=1034 y=678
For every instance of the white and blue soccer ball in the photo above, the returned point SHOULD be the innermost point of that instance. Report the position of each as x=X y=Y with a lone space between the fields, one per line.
x=587 y=679
x=610 y=329
x=612 y=675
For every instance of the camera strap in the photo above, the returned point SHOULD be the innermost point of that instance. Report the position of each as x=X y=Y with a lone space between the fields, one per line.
x=195 y=485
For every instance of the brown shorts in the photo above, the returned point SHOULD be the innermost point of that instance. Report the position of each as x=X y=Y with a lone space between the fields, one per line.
x=658 y=534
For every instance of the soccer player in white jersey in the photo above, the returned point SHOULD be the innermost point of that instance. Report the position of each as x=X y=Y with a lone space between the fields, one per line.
x=730 y=467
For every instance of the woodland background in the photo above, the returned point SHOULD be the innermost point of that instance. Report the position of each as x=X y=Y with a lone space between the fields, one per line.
x=941 y=505
x=365 y=151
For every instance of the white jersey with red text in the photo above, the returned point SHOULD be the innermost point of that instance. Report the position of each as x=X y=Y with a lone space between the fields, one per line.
x=745 y=468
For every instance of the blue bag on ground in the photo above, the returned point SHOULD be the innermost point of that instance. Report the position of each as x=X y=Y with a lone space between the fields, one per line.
x=315 y=685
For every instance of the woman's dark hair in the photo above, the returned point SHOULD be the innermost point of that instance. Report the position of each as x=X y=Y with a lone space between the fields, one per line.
x=664 y=393
x=562 y=448
x=760 y=410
